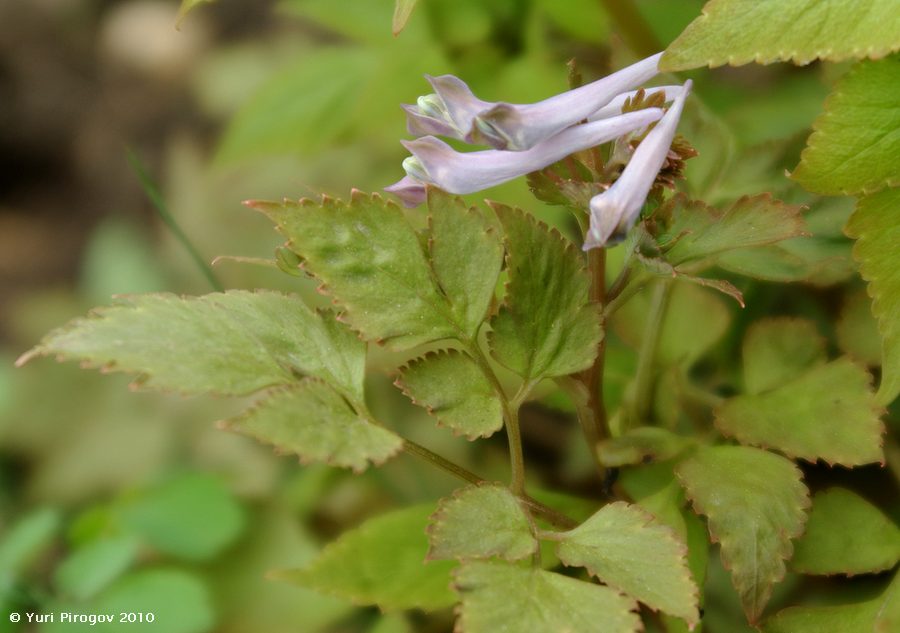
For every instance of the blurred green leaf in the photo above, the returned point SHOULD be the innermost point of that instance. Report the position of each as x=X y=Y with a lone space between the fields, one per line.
x=876 y=229
x=229 y=343
x=391 y=623
x=466 y=255
x=627 y=549
x=119 y=259
x=846 y=534
x=635 y=446
x=500 y=596
x=91 y=567
x=779 y=350
x=370 y=259
x=547 y=326
x=480 y=522
x=754 y=502
x=313 y=421
x=28 y=537
x=194 y=517
x=381 y=562
x=583 y=20
x=455 y=391
x=855 y=146
x=763 y=31
x=402 y=10
x=857 y=330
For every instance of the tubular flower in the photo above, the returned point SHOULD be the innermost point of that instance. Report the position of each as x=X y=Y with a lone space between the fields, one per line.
x=434 y=162
x=615 y=210
x=614 y=107
x=455 y=112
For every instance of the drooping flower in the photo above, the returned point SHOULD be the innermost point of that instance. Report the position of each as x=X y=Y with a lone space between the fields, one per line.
x=615 y=210
x=456 y=112
x=434 y=162
x=614 y=107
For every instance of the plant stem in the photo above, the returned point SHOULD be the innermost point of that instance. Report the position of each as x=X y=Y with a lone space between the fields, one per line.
x=537 y=508
x=647 y=354
x=510 y=418
x=593 y=378
x=634 y=29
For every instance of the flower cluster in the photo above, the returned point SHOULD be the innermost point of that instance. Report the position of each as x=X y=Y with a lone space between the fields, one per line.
x=529 y=137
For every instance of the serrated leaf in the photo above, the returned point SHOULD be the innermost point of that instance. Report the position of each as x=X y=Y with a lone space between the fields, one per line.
x=382 y=562
x=828 y=413
x=754 y=502
x=779 y=350
x=402 y=10
x=481 y=522
x=846 y=534
x=856 y=329
x=231 y=343
x=639 y=445
x=695 y=234
x=313 y=421
x=455 y=391
x=627 y=549
x=875 y=227
x=547 y=326
x=855 y=144
x=500 y=596
x=370 y=260
x=878 y=615
x=738 y=32
x=466 y=255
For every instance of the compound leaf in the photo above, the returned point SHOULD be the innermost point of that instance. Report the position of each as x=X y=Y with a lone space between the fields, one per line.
x=628 y=549
x=313 y=421
x=381 y=562
x=231 y=343
x=737 y=32
x=481 y=522
x=371 y=261
x=499 y=596
x=855 y=144
x=876 y=228
x=754 y=502
x=547 y=325
x=846 y=534
x=454 y=390
x=828 y=413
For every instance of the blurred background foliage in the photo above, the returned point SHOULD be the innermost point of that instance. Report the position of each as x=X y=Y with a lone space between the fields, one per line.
x=118 y=501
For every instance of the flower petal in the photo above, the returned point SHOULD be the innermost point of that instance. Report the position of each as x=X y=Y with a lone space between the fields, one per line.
x=458 y=172
x=411 y=191
x=615 y=210
x=614 y=107
x=520 y=127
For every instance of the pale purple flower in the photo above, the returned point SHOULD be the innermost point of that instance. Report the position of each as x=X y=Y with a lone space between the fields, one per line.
x=434 y=162
x=455 y=112
x=615 y=210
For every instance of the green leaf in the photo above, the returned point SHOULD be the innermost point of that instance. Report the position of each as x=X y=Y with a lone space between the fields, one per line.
x=627 y=549
x=499 y=596
x=27 y=539
x=777 y=351
x=828 y=413
x=382 y=562
x=231 y=343
x=695 y=234
x=547 y=326
x=846 y=534
x=754 y=502
x=878 y=615
x=370 y=260
x=194 y=517
x=313 y=421
x=636 y=446
x=876 y=229
x=90 y=568
x=855 y=144
x=466 y=255
x=481 y=522
x=857 y=330
x=402 y=10
x=737 y=32
x=455 y=391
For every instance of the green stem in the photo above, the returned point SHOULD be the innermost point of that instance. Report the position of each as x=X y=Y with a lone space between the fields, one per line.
x=163 y=210
x=623 y=294
x=634 y=29
x=536 y=508
x=647 y=354
x=578 y=392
